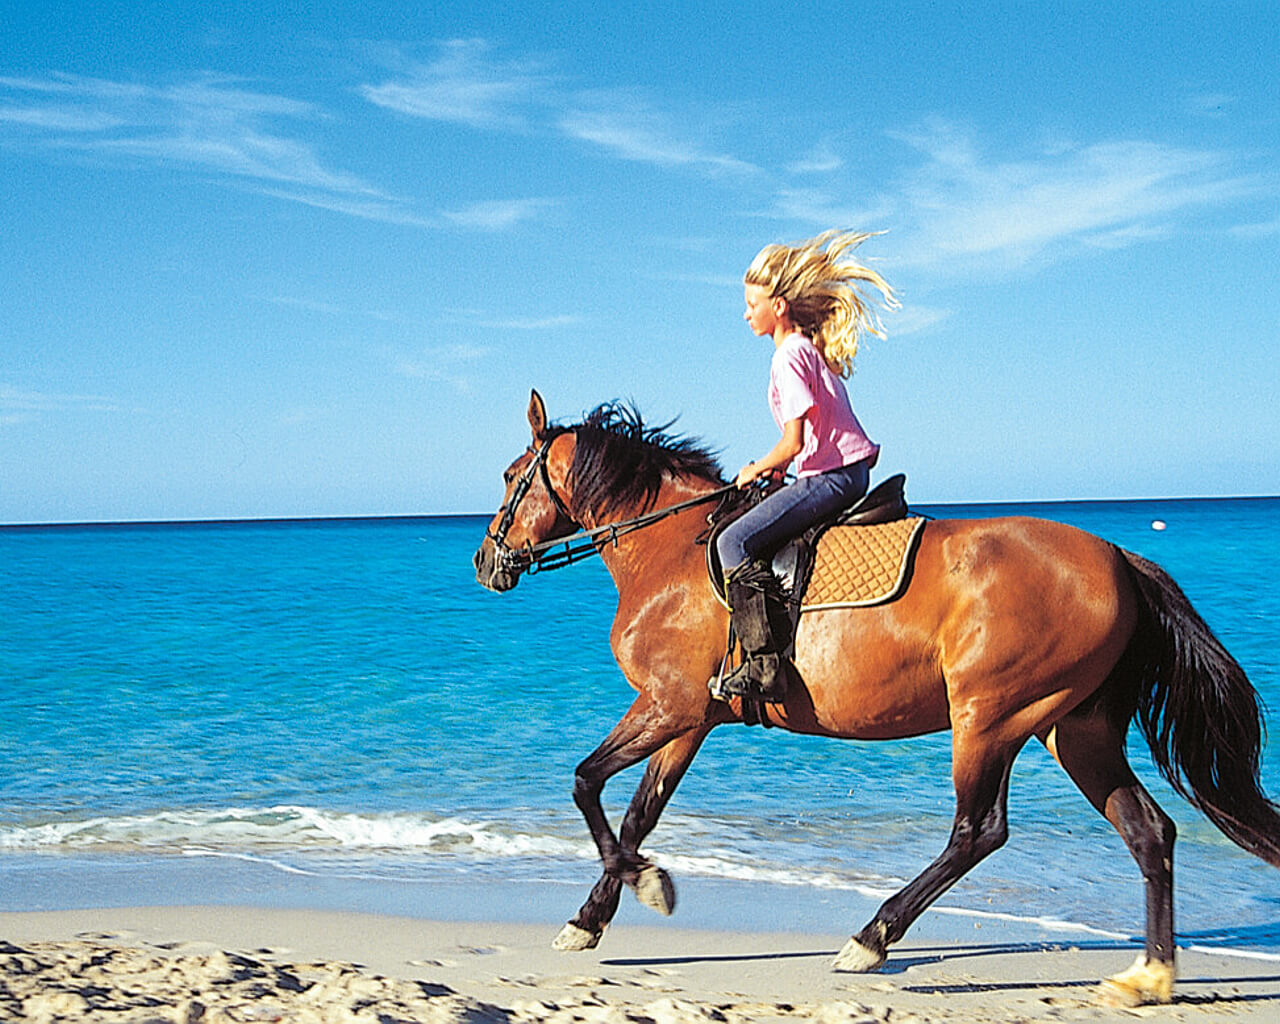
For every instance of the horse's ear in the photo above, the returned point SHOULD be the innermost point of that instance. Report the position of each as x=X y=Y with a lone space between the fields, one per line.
x=537 y=416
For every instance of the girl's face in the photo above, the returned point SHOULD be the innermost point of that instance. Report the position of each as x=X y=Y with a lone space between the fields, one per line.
x=764 y=312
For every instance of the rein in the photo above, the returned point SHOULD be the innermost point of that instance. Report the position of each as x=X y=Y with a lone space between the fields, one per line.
x=544 y=556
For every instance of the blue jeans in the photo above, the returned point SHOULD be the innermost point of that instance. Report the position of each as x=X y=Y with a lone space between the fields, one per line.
x=790 y=511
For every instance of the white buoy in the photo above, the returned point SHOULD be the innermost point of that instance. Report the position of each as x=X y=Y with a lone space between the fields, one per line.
x=1158 y=524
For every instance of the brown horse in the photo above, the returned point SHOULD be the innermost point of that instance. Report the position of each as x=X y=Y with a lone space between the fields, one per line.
x=1010 y=628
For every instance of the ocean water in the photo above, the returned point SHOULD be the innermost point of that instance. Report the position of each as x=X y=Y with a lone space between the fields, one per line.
x=216 y=712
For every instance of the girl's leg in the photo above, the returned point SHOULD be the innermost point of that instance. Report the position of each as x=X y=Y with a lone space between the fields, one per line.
x=750 y=586
x=788 y=512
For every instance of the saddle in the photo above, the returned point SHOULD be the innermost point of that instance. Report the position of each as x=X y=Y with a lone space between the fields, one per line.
x=862 y=555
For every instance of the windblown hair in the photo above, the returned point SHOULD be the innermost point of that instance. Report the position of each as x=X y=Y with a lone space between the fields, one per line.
x=825 y=291
x=619 y=462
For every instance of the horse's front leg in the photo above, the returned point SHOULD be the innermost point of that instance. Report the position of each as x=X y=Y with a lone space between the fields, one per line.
x=643 y=730
x=666 y=769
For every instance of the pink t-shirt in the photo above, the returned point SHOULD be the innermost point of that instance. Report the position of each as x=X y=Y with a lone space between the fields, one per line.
x=801 y=384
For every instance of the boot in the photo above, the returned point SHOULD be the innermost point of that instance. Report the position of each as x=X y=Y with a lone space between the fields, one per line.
x=750 y=590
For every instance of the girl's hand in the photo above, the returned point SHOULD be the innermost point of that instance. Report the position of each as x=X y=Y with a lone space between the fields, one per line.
x=749 y=474
x=779 y=458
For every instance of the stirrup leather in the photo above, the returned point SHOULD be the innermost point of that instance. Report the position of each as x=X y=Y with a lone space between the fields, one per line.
x=761 y=675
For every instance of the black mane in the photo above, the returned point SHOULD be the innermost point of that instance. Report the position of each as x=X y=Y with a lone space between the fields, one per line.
x=620 y=462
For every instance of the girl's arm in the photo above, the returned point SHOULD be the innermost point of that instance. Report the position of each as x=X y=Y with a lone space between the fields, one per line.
x=780 y=455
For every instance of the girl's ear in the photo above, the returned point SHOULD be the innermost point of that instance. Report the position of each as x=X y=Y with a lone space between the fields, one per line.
x=537 y=416
x=780 y=306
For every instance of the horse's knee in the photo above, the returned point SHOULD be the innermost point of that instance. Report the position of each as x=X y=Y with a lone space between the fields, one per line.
x=586 y=790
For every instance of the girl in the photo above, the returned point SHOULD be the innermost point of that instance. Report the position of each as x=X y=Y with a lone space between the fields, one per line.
x=809 y=299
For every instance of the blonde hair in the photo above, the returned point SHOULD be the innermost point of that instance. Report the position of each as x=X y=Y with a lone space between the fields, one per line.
x=823 y=288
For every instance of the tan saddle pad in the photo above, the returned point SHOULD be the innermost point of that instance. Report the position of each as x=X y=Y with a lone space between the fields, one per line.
x=855 y=566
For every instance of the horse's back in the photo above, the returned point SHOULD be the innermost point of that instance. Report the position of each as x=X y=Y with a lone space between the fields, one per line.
x=1029 y=568
x=1002 y=617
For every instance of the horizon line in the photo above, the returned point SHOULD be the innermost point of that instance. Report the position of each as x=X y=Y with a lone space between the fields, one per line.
x=405 y=516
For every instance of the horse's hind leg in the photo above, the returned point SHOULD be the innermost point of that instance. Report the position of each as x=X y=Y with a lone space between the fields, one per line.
x=1091 y=749
x=982 y=788
x=665 y=770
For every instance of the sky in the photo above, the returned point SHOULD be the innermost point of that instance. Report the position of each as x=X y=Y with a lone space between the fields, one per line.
x=263 y=261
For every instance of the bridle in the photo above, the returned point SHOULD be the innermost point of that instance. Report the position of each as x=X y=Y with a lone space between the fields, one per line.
x=526 y=558
x=533 y=558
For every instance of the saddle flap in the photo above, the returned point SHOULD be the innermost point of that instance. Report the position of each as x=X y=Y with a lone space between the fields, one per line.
x=867 y=565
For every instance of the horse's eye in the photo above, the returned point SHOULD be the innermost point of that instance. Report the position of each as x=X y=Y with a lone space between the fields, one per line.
x=507 y=476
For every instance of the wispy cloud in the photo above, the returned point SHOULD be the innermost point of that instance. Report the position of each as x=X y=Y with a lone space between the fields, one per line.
x=818 y=207
x=496 y=214
x=467 y=84
x=18 y=405
x=471 y=318
x=57 y=118
x=1126 y=236
x=212 y=124
x=822 y=159
x=1260 y=229
x=963 y=204
x=958 y=207
x=516 y=323
x=631 y=129
x=385 y=211
x=446 y=364
x=243 y=152
x=217 y=126
x=913 y=319
x=331 y=309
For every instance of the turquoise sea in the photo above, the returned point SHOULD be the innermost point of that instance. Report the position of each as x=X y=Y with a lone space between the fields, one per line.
x=332 y=712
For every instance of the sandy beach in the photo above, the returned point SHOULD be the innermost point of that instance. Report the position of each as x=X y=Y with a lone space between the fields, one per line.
x=231 y=964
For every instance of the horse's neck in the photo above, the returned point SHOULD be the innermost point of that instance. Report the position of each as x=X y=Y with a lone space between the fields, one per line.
x=657 y=553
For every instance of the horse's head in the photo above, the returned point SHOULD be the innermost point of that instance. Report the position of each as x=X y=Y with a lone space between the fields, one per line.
x=532 y=510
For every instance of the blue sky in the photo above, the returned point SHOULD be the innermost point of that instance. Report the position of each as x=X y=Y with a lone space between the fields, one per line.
x=264 y=263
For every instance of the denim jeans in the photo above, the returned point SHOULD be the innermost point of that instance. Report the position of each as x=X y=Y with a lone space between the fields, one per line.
x=790 y=511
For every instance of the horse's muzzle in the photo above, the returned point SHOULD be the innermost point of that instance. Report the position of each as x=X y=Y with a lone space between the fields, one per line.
x=493 y=572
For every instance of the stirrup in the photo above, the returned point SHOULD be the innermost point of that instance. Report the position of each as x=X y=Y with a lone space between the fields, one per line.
x=741 y=683
x=716 y=683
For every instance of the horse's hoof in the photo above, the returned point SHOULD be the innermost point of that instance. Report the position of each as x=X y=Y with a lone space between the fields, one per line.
x=1146 y=982
x=573 y=939
x=857 y=958
x=654 y=889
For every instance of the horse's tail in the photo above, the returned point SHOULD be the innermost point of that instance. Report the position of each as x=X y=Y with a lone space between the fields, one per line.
x=1200 y=714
